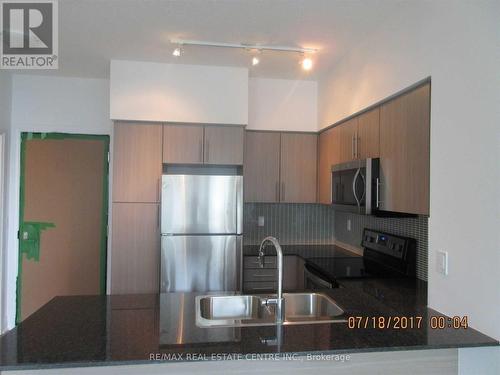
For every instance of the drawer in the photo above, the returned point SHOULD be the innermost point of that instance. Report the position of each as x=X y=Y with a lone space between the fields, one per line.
x=253 y=262
x=260 y=274
x=259 y=287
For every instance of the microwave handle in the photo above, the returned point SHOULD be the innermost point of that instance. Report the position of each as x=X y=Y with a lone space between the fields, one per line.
x=356 y=175
x=364 y=186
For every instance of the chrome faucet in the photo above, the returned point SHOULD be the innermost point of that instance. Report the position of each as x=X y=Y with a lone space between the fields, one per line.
x=278 y=302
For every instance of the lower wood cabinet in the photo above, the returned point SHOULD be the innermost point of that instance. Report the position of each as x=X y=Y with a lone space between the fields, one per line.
x=135 y=253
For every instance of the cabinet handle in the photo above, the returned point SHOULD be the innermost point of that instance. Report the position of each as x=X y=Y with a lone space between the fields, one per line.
x=207 y=151
x=357 y=147
x=353 y=153
x=201 y=150
x=282 y=191
x=277 y=188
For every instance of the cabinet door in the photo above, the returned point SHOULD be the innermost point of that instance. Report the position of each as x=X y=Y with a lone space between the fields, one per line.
x=135 y=254
x=404 y=152
x=298 y=167
x=347 y=137
x=328 y=154
x=368 y=135
x=224 y=145
x=262 y=167
x=183 y=144
x=136 y=162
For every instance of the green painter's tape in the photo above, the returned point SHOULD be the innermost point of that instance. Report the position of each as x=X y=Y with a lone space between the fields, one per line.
x=29 y=238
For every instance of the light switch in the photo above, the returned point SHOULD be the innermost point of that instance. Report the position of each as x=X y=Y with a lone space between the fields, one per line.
x=442 y=262
x=260 y=221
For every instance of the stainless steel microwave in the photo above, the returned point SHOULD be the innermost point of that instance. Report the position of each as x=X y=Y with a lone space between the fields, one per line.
x=356 y=186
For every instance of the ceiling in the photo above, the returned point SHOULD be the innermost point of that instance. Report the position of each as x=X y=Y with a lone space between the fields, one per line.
x=92 y=32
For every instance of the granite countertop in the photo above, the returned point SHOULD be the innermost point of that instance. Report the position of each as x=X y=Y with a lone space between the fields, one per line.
x=135 y=329
x=305 y=251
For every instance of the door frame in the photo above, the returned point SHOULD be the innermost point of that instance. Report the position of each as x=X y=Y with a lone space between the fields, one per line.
x=26 y=136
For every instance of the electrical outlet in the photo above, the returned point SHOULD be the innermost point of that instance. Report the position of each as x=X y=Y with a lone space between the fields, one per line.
x=442 y=262
x=260 y=221
x=348 y=225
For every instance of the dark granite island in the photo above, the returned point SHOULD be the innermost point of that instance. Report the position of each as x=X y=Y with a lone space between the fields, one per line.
x=132 y=329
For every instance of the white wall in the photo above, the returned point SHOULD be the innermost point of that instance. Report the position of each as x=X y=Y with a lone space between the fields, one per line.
x=456 y=43
x=46 y=104
x=5 y=113
x=279 y=104
x=178 y=93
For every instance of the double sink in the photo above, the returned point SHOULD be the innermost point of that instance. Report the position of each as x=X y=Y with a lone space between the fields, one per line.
x=249 y=310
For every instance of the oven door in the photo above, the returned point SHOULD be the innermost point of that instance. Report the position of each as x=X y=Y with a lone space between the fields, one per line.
x=315 y=281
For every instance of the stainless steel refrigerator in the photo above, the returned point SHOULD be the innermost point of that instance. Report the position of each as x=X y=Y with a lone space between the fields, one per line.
x=201 y=233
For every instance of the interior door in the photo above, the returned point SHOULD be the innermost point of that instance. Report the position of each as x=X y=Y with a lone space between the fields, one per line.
x=63 y=218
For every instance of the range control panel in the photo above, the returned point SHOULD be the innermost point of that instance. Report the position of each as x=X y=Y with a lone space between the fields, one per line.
x=387 y=244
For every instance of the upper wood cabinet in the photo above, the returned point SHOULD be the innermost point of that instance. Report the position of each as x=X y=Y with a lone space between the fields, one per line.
x=298 y=167
x=262 y=166
x=359 y=137
x=404 y=152
x=136 y=248
x=136 y=162
x=328 y=155
x=183 y=144
x=224 y=144
x=368 y=135
x=280 y=167
x=347 y=140
x=198 y=144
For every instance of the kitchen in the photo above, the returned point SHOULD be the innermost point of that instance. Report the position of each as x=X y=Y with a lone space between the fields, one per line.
x=343 y=189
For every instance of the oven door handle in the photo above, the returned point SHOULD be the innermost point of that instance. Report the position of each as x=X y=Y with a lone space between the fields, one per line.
x=316 y=279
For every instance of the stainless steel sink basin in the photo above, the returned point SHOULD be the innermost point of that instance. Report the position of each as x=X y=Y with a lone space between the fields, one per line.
x=247 y=310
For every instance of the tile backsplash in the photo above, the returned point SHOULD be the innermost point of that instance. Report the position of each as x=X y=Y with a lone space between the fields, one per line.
x=409 y=227
x=290 y=223
x=294 y=224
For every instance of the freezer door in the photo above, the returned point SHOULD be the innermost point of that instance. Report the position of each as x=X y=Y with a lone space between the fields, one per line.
x=200 y=263
x=198 y=204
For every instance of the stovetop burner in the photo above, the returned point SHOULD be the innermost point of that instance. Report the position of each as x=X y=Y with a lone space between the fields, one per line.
x=385 y=256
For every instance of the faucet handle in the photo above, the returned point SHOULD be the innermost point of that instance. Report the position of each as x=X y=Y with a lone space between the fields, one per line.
x=262 y=255
x=261 y=259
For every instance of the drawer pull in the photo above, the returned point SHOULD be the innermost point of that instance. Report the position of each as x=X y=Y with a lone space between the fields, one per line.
x=263 y=275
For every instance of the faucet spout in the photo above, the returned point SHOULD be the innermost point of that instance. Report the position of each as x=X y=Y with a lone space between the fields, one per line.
x=278 y=301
